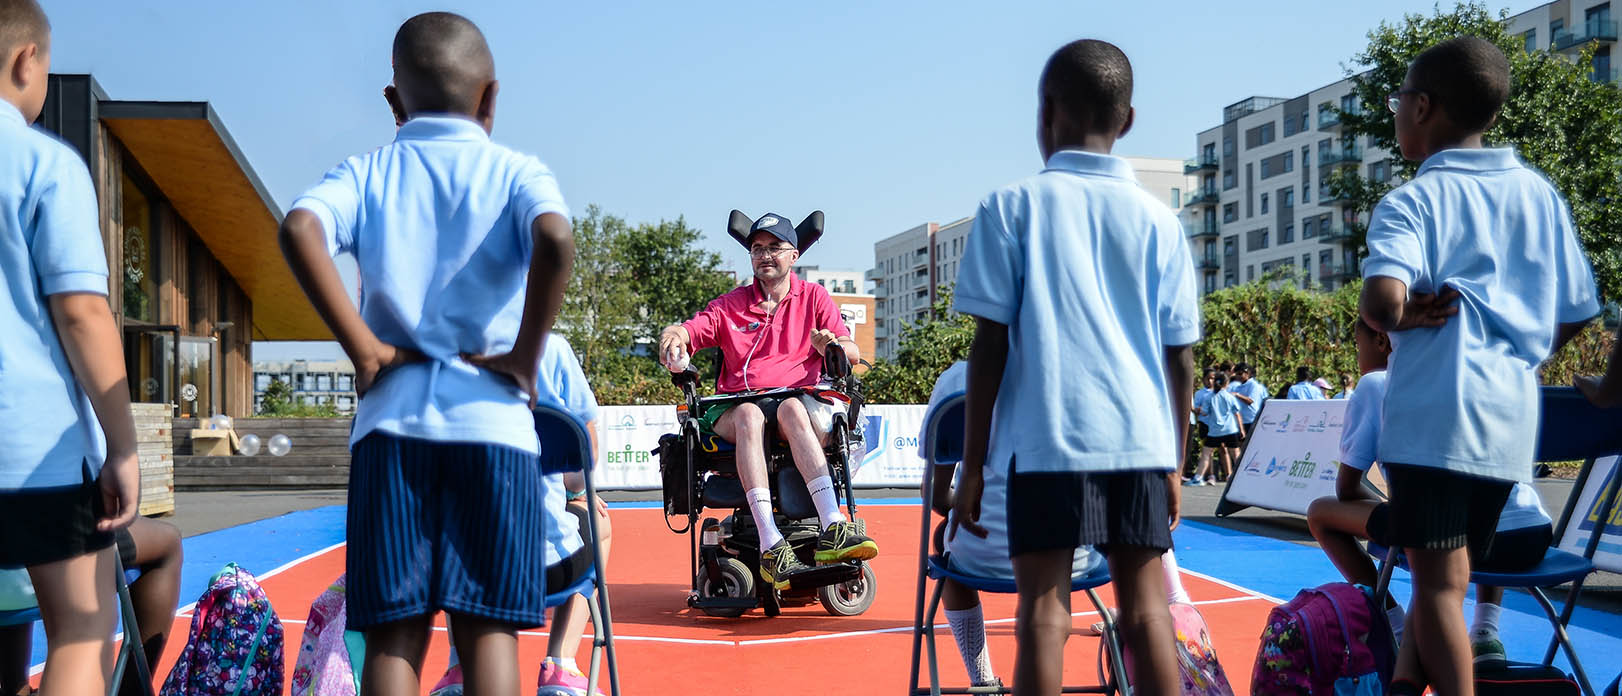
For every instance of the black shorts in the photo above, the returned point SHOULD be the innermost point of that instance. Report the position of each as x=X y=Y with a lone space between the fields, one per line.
x=1437 y=509
x=46 y=525
x=1509 y=551
x=1203 y=430
x=1064 y=510
x=1229 y=440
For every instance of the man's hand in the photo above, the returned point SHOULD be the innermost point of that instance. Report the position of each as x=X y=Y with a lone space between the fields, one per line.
x=966 y=509
x=821 y=338
x=120 y=485
x=672 y=344
x=520 y=370
x=1595 y=389
x=1423 y=311
x=1174 y=499
x=381 y=358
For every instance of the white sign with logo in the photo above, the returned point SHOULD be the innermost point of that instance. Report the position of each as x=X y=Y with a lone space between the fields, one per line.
x=628 y=435
x=1586 y=515
x=1292 y=458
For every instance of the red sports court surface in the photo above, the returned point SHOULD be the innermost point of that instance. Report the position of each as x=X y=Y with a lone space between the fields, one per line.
x=665 y=647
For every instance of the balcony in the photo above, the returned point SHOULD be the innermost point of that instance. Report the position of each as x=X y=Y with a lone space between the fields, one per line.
x=1352 y=156
x=1328 y=196
x=1207 y=162
x=1336 y=234
x=1592 y=30
x=1209 y=263
x=1328 y=120
x=1205 y=196
x=1209 y=230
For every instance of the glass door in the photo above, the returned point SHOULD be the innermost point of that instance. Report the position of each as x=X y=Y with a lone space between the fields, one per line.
x=149 y=359
x=198 y=387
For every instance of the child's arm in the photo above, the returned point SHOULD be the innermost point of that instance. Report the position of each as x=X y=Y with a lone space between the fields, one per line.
x=1180 y=382
x=1349 y=485
x=550 y=264
x=988 y=356
x=1564 y=332
x=1386 y=305
x=304 y=245
x=90 y=338
x=1242 y=397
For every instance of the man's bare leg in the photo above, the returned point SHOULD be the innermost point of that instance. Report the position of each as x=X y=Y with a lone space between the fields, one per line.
x=745 y=427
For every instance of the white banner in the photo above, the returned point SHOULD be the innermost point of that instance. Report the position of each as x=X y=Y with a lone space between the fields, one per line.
x=1292 y=458
x=1584 y=517
x=627 y=436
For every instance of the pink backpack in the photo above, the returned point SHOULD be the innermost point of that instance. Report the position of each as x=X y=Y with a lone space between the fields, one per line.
x=328 y=661
x=1196 y=658
x=1328 y=640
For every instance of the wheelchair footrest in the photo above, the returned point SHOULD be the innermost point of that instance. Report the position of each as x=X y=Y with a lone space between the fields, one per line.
x=745 y=603
x=824 y=575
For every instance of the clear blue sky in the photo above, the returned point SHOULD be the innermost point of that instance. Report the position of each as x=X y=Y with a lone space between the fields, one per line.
x=884 y=117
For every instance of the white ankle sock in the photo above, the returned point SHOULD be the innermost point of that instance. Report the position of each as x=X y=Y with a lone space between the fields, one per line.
x=822 y=494
x=564 y=662
x=1486 y=619
x=760 y=503
x=1174 y=582
x=969 y=630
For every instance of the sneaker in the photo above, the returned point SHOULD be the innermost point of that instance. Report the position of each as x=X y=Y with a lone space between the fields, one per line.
x=1209 y=482
x=995 y=683
x=1196 y=481
x=841 y=542
x=1489 y=651
x=450 y=684
x=778 y=563
x=556 y=679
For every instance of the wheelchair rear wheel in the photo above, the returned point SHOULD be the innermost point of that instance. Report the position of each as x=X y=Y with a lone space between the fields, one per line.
x=736 y=582
x=850 y=598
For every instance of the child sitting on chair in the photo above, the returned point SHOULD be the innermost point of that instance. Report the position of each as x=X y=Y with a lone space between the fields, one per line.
x=562 y=384
x=1524 y=529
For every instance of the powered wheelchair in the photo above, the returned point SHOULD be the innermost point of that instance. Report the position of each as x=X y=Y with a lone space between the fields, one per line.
x=700 y=471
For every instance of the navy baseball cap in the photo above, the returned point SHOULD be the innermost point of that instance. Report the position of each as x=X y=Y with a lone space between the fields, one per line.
x=801 y=236
x=778 y=226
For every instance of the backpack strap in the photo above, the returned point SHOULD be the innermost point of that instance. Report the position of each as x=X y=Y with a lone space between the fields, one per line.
x=258 y=637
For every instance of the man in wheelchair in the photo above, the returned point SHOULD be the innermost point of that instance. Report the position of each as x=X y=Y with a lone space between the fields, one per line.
x=773 y=334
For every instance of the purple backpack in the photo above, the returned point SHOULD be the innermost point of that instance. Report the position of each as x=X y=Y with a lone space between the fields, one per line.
x=234 y=647
x=1328 y=640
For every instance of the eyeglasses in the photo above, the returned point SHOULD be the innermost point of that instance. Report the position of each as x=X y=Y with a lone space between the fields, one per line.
x=768 y=252
x=1394 y=101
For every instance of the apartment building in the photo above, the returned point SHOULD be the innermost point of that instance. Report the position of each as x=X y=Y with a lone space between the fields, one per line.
x=1262 y=200
x=314 y=382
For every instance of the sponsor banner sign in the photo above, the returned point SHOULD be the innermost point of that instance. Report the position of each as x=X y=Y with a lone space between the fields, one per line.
x=1586 y=517
x=1292 y=457
x=628 y=435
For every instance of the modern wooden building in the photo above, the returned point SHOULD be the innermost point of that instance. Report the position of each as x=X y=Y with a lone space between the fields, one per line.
x=190 y=231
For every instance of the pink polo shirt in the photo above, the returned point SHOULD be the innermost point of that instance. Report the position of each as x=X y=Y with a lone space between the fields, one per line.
x=777 y=349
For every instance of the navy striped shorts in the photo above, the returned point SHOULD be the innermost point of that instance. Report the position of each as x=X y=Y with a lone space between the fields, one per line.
x=449 y=526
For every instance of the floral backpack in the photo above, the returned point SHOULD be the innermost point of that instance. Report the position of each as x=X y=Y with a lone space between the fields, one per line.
x=234 y=647
x=1196 y=659
x=330 y=658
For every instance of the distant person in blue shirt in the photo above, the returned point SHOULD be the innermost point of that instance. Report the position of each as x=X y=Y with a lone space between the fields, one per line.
x=464 y=250
x=1250 y=392
x=69 y=478
x=1477 y=234
x=1303 y=387
x=1225 y=432
x=1080 y=260
x=1202 y=404
x=1347 y=387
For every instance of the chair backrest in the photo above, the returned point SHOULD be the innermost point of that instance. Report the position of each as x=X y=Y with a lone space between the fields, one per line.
x=565 y=445
x=943 y=431
x=1573 y=429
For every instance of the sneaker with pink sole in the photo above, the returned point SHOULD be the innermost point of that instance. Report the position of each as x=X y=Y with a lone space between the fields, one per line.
x=450 y=684
x=558 y=679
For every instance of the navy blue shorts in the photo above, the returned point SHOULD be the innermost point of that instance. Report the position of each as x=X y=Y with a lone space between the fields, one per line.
x=444 y=526
x=1064 y=510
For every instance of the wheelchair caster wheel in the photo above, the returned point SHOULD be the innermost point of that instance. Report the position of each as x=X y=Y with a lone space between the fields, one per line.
x=771 y=602
x=736 y=582
x=850 y=598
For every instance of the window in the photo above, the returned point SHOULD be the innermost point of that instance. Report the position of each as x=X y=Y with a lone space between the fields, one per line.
x=1326 y=258
x=1259 y=136
x=1308 y=231
x=1289 y=162
x=1250 y=191
x=1210 y=283
x=1286 y=235
x=307 y=382
x=1264 y=204
x=1228 y=180
x=1230 y=212
x=346 y=382
x=1286 y=198
x=1228 y=280
x=1209 y=152
x=1250 y=273
x=1227 y=146
x=140 y=253
x=1176 y=198
x=1256 y=240
x=1531 y=39
x=1267 y=168
x=1306 y=194
x=261 y=382
x=1380 y=171
x=323 y=383
x=1601 y=65
x=1348 y=104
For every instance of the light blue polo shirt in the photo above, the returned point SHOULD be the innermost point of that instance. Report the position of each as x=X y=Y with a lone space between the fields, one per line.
x=1256 y=392
x=1093 y=278
x=50 y=243
x=1224 y=418
x=1202 y=401
x=562 y=384
x=1464 y=397
x=440 y=222
x=1306 y=391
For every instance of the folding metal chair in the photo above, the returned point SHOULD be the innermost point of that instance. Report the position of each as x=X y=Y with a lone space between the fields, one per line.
x=1570 y=429
x=943 y=443
x=566 y=447
x=130 y=651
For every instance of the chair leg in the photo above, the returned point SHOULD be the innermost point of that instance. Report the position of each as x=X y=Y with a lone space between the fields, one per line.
x=929 y=639
x=131 y=651
x=597 y=644
x=1112 y=642
x=1566 y=610
x=602 y=618
x=1561 y=636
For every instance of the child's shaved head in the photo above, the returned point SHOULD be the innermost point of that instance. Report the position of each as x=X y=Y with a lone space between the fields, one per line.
x=1091 y=81
x=22 y=22
x=1467 y=77
x=441 y=63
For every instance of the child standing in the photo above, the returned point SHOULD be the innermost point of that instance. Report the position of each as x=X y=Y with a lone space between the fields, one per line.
x=1079 y=260
x=68 y=474
x=1202 y=425
x=1460 y=419
x=464 y=251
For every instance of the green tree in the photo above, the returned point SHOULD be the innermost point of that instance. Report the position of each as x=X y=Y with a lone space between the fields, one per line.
x=927 y=348
x=1558 y=119
x=280 y=402
x=599 y=308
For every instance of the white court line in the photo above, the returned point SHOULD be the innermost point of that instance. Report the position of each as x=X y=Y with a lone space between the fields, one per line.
x=1232 y=586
